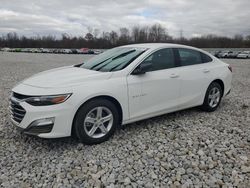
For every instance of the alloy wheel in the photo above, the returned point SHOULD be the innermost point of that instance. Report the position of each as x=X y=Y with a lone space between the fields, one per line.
x=98 y=122
x=214 y=97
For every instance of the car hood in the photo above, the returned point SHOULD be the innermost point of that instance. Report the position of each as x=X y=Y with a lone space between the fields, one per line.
x=65 y=77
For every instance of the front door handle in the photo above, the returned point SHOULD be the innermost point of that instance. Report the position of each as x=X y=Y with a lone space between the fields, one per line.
x=206 y=70
x=174 y=76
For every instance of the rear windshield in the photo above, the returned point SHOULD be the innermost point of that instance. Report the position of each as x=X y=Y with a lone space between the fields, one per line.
x=114 y=59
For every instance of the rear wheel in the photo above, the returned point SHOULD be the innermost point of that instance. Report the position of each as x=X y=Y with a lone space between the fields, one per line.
x=96 y=121
x=212 y=98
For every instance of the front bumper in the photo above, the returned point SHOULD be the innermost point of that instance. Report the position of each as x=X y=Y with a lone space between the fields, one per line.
x=37 y=127
x=45 y=121
x=36 y=130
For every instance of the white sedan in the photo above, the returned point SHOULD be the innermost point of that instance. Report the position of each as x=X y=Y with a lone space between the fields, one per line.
x=245 y=54
x=120 y=86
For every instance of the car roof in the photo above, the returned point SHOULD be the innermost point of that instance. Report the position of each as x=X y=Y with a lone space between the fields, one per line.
x=155 y=45
x=158 y=45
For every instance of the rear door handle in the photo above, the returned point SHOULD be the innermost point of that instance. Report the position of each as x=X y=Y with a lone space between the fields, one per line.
x=174 y=76
x=206 y=70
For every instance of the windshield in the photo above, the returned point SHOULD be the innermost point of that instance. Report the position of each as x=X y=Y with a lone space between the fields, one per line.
x=114 y=59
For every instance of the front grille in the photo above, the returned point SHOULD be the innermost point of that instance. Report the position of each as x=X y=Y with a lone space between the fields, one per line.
x=16 y=110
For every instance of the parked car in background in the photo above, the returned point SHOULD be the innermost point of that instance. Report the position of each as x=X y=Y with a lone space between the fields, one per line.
x=225 y=54
x=17 y=50
x=79 y=51
x=84 y=50
x=45 y=50
x=25 y=50
x=233 y=55
x=51 y=50
x=91 y=52
x=6 y=49
x=67 y=51
x=98 y=51
x=87 y=51
x=244 y=54
x=120 y=86
x=74 y=51
x=55 y=51
x=59 y=51
x=12 y=50
x=217 y=53
x=36 y=50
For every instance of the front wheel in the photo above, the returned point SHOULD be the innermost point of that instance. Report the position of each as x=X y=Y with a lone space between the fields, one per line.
x=212 y=98
x=96 y=121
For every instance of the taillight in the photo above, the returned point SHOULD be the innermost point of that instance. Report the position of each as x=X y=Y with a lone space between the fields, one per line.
x=230 y=68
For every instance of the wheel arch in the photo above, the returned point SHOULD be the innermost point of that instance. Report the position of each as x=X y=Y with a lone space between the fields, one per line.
x=221 y=83
x=107 y=97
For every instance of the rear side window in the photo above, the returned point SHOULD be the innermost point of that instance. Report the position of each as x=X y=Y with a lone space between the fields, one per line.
x=189 y=57
x=161 y=59
x=205 y=58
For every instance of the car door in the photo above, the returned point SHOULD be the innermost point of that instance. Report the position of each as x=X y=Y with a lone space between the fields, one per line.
x=195 y=75
x=157 y=91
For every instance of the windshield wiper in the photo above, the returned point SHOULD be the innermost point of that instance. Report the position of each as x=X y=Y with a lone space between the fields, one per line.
x=102 y=66
x=78 y=65
x=91 y=68
x=130 y=61
x=114 y=67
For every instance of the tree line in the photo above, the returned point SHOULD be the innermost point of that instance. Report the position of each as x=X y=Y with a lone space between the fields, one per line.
x=137 y=34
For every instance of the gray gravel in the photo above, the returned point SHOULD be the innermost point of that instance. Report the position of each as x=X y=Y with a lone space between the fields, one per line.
x=190 y=148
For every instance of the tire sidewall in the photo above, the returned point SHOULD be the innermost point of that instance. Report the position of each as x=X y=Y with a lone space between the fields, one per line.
x=80 y=117
x=206 y=105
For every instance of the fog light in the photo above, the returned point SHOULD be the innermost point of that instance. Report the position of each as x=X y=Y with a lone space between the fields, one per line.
x=42 y=122
x=40 y=126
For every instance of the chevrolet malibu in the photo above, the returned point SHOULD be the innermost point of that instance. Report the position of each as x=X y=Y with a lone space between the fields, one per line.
x=120 y=86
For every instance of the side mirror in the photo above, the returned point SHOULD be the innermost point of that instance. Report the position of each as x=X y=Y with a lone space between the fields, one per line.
x=142 y=68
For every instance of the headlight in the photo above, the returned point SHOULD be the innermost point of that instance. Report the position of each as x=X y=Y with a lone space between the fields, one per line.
x=47 y=100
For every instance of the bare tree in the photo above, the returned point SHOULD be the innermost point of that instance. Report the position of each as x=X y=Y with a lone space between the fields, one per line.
x=137 y=34
x=89 y=37
x=113 y=37
x=96 y=33
x=157 y=33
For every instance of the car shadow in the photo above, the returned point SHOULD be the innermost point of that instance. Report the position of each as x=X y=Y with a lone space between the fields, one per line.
x=56 y=144
x=162 y=118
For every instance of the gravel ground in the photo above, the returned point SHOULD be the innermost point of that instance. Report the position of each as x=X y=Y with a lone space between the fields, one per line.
x=190 y=148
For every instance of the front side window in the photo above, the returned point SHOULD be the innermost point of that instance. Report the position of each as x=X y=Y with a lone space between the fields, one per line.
x=161 y=59
x=114 y=59
x=189 y=57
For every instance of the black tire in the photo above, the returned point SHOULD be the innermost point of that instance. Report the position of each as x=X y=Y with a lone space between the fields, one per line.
x=206 y=106
x=79 y=130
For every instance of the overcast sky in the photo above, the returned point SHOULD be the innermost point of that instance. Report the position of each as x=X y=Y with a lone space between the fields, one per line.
x=194 y=17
